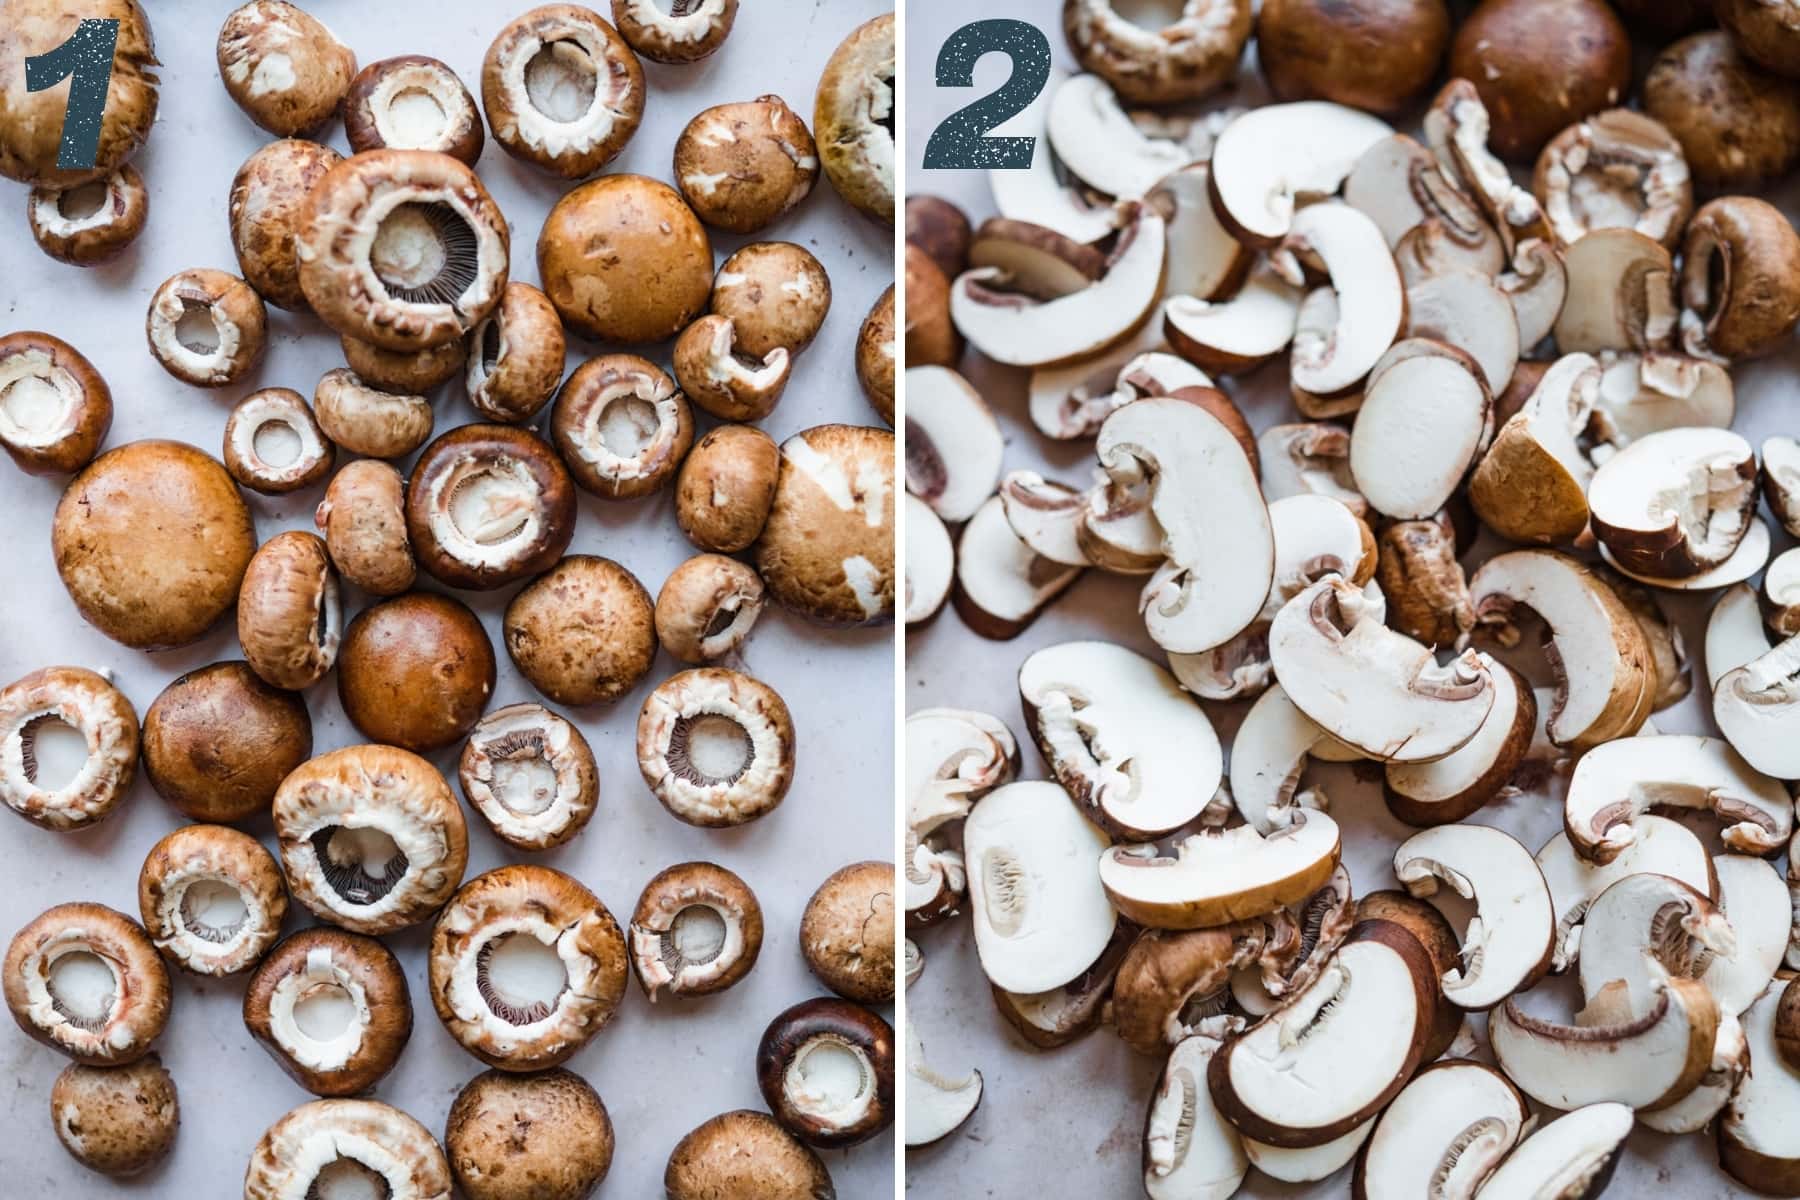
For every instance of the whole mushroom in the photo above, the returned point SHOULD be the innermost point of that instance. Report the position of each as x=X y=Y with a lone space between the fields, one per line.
x=743 y=1154
x=289 y=615
x=218 y=741
x=727 y=487
x=266 y=209
x=206 y=327
x=876 y=350
x=1377 y=55
x=119 y=1121
x=583 y=632
x=826 y=1069
x=683 y=33
x=76 y=703
x=562 y=90
x=1160 y=60
x=847 y=932
x=743 y=166
x=488 y=504
x=93 y=222
x=55 y=409
x=332 y=1010
x=283 y=67
x=212 y=899
x=363 y=518
x=412 y=103
x=853 y=118
x=1738 y=125
x=776 y=295
x=624 y=259
x=1540 y=66
x=544 y=1136
x=85 y=980
x=827 y=550
x=415 y=671
x=325 y=1142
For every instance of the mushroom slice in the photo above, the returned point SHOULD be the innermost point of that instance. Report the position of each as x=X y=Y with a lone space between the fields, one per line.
x=1119 y=531
x=1641 y=931
x=1268 y=756
x=1452 y=788
x=1456 y=128
x=1613 y=783
x=1644 y=393
x=1229 y=337
x=936 y=881
x=1132 y=749
x=1173 y=983
x=1205 y=261
x=1444 y=1133
x=1730 y=1063
x=1041 y=917
x=1037 y=262
x=1781 y=480
x=1753 y=898
x=1043 y=194
x=936 y=1104
x=1409 y=458
x=1749 y=557
x=1757 y=707
x=1096 y=140
x=1368 y=686
x=953 y=443
x=1320 y=922
x=1060 y=1015
x=1675 y=503
x=1371 y=304
x=1531 y=486
x=1312 y=1163
x=1781 y=593
x=1334 y=1055
x=930 y=561
x=1001 y=583
x=1668 y=649
x=1596 y=648
x=1734 y=633
x=1506 y=947
x=1571 y=1158
x=1221 y=875
x=1661 y=845
x=1046 y=516
x=1190 y=1151
x=1217 y=540
x=1063 y=401
x=1272 y=156
x=1080 y=413
x=1012 y=328
x=1621 y=294
x=1759 y=1140
x=1399 y=184
x=1309 y=459
x=1617 y=169
x=1473 y=315
x=953 y=757
x=1237 y=670
x=1537 y=287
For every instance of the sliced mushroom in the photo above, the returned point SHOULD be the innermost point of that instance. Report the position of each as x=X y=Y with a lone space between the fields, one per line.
x=1749 y=558
x=1002 y=584
x=1268 y=157
x=1311 y=1163
x=953 y=757
x=1408 y=459
x=1452 y=788
x=1759 y=1142
x=1620 y=296
x=1221 y=875
x=1043 y=193
x=1443 y=1134
x=1457 y=127
x=1614 y=783
x=1151 y=373
x=1572 y=1157
x=1348 y=247
x=1036 y=262
x=1660 y=845
x=1617 y=169
x=1471 y=314
x=1642 y=930
x=1734 y=633
x=1060 y=1015
x=1268 y=757
x=1097 y=141
x=1046 y=516
x=1751 y=895
x=953 y=443
x=1537 y=287
x=1400 y=185
x=1696 y=1110
x=930 y=561
x=1190 y=1151
x=1781 y=480
x=1239 y=334
x=1668 y=649
x=936 y=1104
x=1506 y=947
x=1319 y=923
x=1309 y=459
x=1675 y=503
x=1205 y=261
x=1531 y=486
x=1643 y=393
x=1172 y=984
x=1757 y=707
x=1781 y=594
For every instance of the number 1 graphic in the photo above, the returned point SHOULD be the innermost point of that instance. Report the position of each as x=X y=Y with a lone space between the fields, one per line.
x=86 y=60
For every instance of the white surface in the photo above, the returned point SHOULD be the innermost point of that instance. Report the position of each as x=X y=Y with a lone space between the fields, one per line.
x=1070 y=1121
x=661 y=1070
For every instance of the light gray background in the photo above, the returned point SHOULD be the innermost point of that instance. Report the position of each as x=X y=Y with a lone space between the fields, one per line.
x=661 y=1070
x=1070 y=1121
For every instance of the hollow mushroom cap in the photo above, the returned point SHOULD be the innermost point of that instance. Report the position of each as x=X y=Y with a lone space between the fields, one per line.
x=531 y=776
x=726 y=488
x=1618 y=168
x=218 y=741
x=415 y=671
x=1180 y=59
x=562 y=90
x=700 y=702
x=363 y=518
x=357 y=971
x=743 y=166
x=853 y=118
x=92 y=223
x=707 y=607
x=137 y=1005
x=515 y=356
x=621 y=426
x=624 y=259
x=229 y=344
x=268 y=198
x=817 y=1112
x=119 y=1121
x=488 y=504
x=1740 y=279
x=686 y=958
x=1738 y=125
x=296 y=1152
x=63 y=407
x=555 y=911
x=283 y=67
x=412 y=102
x=284 y=415
x=151 y=540
x=847 y=932
x=31 y=135
x=827 y=551
x=289 y=619
x=583 y=632
x=685 y=34
x=545 y=1136
x=187 y=871
x=743 y=1154
x=90 y=705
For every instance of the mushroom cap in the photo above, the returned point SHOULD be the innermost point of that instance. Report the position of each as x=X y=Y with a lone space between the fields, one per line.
x=847 y=932
x=288 y=615
x=661 y=36
x=742 y=166
x=875 y=355
x=1183 y=60
x=515 y=358
x=815 y=1112
x=707 y=607
x=621 y=393
x=267 y=209
x=827 y=551
x=364 y=521
x=1378 y=57
x=853 y=115
x=1738 y=126
x=514 y=745
x=381 y=113
x=404 y=372
x=568 y=44
x=742 y=1155
x=88 y=703
x=682 y=704
x=151 y=541
x=583 y=632
x=281 y=65
x=119 y=1121
x=239 y=327
x=84 y=404
x=276 y=408
x=361 y=970
x=415 y=671
x=114 y=223
x=727 y=487
x=545 y=1136
x=196 y=854
x=775 y=294
x=140 y=999
x=521 y=526
x=366 y=420
x=296 y=1149
x=218 y=741
x=673 y=891
x=1540 y=66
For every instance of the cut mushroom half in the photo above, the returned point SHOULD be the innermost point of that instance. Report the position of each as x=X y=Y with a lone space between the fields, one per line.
x=1752 y=897
x=1046 y=516
x=1751 y=555
x=1621 y=294
x=1347 y=246
x=1531 y=486
x=1660 y=846
x=1537 y=287
x=1444 y=1134
x=1270 y=157
x=1190 y=1151
x=1456 y=127
x=1399 y=184
x=936 y=1104
x=1232 y=336
x=1781 y=593
x=930 y=563
x=1205 y=261
x=1309 y=459
x=1735 y=635
x=1095 y=139
x=1221 y=875
x=1757 y=707
x=1617 y=169
x=1472 y=314
x=1571 y=1158
x=1639 y=932
x=1457 y=786
x=1759 y=1140
x=1408 y=458
x=953 y=443
x=1675 y=503
x=1781 y=480
x=1001 y=583
x=1268 y=757
x=1645 y=393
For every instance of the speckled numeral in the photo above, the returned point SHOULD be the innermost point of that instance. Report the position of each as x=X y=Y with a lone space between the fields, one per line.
x=961 y=141
x=86 y=60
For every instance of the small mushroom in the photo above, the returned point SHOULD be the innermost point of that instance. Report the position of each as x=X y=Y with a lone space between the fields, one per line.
x=85 y=980
x=941 y=230
x=283 y=67
x=412 y=103
x=747 y=1152
x=338 y=1143
x=55 y=409
x=648 y=232
x=723 y=381
x=403 y=372
x=42 y=718
x=218 y=742
x=289 y=616
x=267 y=210
x=741 y=167
x=363 y=518
x=1738 y=126
x=90 y=223
x=1179 y=53
x=826 y=1068
x=531 y=775
x=853 y=118
x=332 y=1010
x=716 y=747
x=545 y=1136
x=697 y=930
x=622 y=426
x=847 y=932
x=1740 y=279
x=212 y=899
x=1541 y=65
x=776 y=295
x=415 y=671
x=273 y=444
x=1768 y=34
x=932 y=338
x=119 y=1121
x=707 y=607
x=1173 y=984
x=1426 y=589
x=488 y=504
x=876 y=351
x=562 y=90
x=727 y=487
x=371 y=838
x=1376 y=57
x=365 y=420
x=827 y=551
x=526 y=966
x=206 y=327
x=515 y=356
x=583 y=632
x=685 y=33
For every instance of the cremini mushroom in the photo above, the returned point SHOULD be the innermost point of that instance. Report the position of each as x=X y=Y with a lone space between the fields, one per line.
x=119 y=1121
x=363 y=518
x=45 y=718
x=932 y=338
x=206 y=327
x=697 y=930
x=218 y=741
x=1378 y=57
x=289 y=614
x=412 y=103
x=827 y=551
x=341 y=1143
x=684 y=33
x=85 y=980
x=583 y=632
x=562 y=90
x=267 y=210
x=1535 y=86
x=1740 y=279
x=55 y=409
x=749 y=1152
x=544 y=1136
x=531 y=776
x=775 y=294
x=283 y=67
x=415 y=671
x=1617 y=168
x=90 y=223
x=853 y=118
x=515 y=356
x=273 y=443
x=212 y=899
x=1180 y=52
x=826 y=1068
x=648 y=233
x=726 y=488
x=622 y=426
x=724 y=382
x=1738 y=125
x=488 y=504
x=716 y=746
x=876 y=351
x=847 y=932
x=331 y=1008
x=403 y=372
x=707 y=607
x=743 y=166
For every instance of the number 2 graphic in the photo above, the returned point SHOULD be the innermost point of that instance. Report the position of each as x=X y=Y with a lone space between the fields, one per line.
x=961 y=142
x=86 y=60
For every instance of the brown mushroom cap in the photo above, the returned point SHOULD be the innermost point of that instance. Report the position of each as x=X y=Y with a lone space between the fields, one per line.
x=404 y=372
x=289 y=618
x=415 y=671
x=1377 y=57
x=332 y=965
x=721 y=379
x=1769 y=33
x=727 y=487
x=1738 y=125
x=274 y=445
x=531 y=775
x=847 y=932
x=932 y=340
x=877 y=346
x=1740 y=278
x=941 y=230
x=268 y=203
x=126 y=1018
x=683 y=33
x=853 y=118
x=92 y=222
x=294 y=1153
x=151 y=541
x=776 y=295
x=1540 y=66
x=716 y=746
x=366 y=420
x=624 y=259
x=189 y=871
x=218 y=742
x=706 y=608
x=88 y=704
x=488 y=504
x=622 y=426
x=412 y=103
x=583 y=632
x=119 y=1121
x=827 y=551
x=745 y=1154
x=206 y=327
x=562 y=90
x=1163 y=55
x=515 y=356
x=528 y=1137
x=743 y=166
x=363 y=517
x=283 y=67
x=697 y=930
x=55 y=409
x=828 y=1028
x=31 y=134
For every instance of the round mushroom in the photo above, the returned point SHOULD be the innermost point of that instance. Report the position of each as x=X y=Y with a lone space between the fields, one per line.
x=332 y=1010
x=724 y=382
x=289 y=617
x=562 y=90
x=622 y=426
x=404 y=372
x=363 y=517
x=488 y=504
x=31 y=134
x=707 y=607
x=55 y=409
x=212 y=899
x=853 y=118
x=218 y=742
x=119 y=1121
x=727 y=487
x=365 y=1146
x=1738 y=125
x=697 y=930
x=151 y=541
x=267 y=208
x=206 y=327
x=776 y=295
x=624 y=259
x=1740 y=279
x=583 y=632
x=283 y=67
x=1148 y=58
x=683 y=33
x=826 y=1069
x=932 y=339
x=827 y=550
x=91 y=222
x=515 y=356
x=412 y=103
x=544 y=1136
x=365 y=420
x=44 y=719
x=273 y=445
x=1769 y=33
x=744 y=1153
x=876 y=350
x=531 y=775
x=84 y=979
x=371 y=838
x=941 y=230
x=416 y=671
x=1377 y=57
x=526 y=966
x=847 y=932
x=716 y=747
x=1540 y=66
x=404 y=249
x=743 y=166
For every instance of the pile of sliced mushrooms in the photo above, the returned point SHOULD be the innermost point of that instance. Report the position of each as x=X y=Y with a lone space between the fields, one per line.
x=1506 y=286
x=398 y=255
